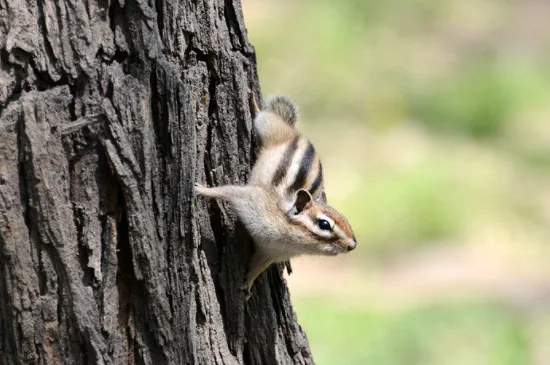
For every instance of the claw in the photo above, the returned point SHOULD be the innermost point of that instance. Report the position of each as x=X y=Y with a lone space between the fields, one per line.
x=253 y=104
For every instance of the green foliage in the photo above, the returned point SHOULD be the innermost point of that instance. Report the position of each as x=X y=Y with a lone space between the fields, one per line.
x=451 y=334
x=404 y=208
x=365 y=59
x=479 y=100
x=476 y=103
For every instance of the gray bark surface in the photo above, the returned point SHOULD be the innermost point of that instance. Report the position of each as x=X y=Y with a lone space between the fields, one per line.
x=109 y=111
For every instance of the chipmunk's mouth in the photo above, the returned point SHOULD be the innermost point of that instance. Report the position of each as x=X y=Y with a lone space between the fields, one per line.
x=332 y=250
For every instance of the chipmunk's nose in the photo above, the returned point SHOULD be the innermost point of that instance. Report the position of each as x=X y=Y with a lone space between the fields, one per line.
x=352 y=245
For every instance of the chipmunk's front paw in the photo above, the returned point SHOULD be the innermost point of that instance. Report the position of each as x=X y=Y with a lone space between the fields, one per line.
x=200 y=189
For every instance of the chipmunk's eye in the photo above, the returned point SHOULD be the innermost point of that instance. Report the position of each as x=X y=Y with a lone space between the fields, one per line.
x=323 y=224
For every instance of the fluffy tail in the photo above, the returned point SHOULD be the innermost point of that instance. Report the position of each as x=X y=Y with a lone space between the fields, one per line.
x=275 y=124
x=284 y=108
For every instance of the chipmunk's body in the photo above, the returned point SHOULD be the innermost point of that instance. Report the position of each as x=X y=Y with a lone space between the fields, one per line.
x=284 y=205
x=287 y=161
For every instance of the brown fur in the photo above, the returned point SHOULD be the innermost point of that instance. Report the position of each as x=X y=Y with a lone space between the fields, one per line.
x=284 y=199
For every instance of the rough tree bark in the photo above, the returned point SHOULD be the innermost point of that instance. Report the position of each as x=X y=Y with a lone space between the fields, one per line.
x=110 y=110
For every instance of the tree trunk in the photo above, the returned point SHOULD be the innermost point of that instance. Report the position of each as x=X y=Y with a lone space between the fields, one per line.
x=109 y=113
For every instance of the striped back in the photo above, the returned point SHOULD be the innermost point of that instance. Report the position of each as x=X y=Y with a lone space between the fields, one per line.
x=287 y=160
x=290 y=166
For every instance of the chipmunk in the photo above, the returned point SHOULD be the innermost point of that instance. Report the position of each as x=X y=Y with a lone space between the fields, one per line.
x=284 y=205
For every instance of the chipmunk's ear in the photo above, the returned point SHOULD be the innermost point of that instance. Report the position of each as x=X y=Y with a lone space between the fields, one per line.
x=322 y=197
x=303 y=199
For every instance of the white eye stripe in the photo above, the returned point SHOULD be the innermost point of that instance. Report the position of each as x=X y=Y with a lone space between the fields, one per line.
x=338 y=231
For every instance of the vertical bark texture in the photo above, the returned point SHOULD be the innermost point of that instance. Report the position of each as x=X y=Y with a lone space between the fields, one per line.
x=109 y=111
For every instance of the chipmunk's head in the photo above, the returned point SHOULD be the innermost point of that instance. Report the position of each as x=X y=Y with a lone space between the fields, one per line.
x=319 y=228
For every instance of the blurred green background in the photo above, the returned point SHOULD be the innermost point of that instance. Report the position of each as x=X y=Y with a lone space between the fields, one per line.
x=432 y=119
